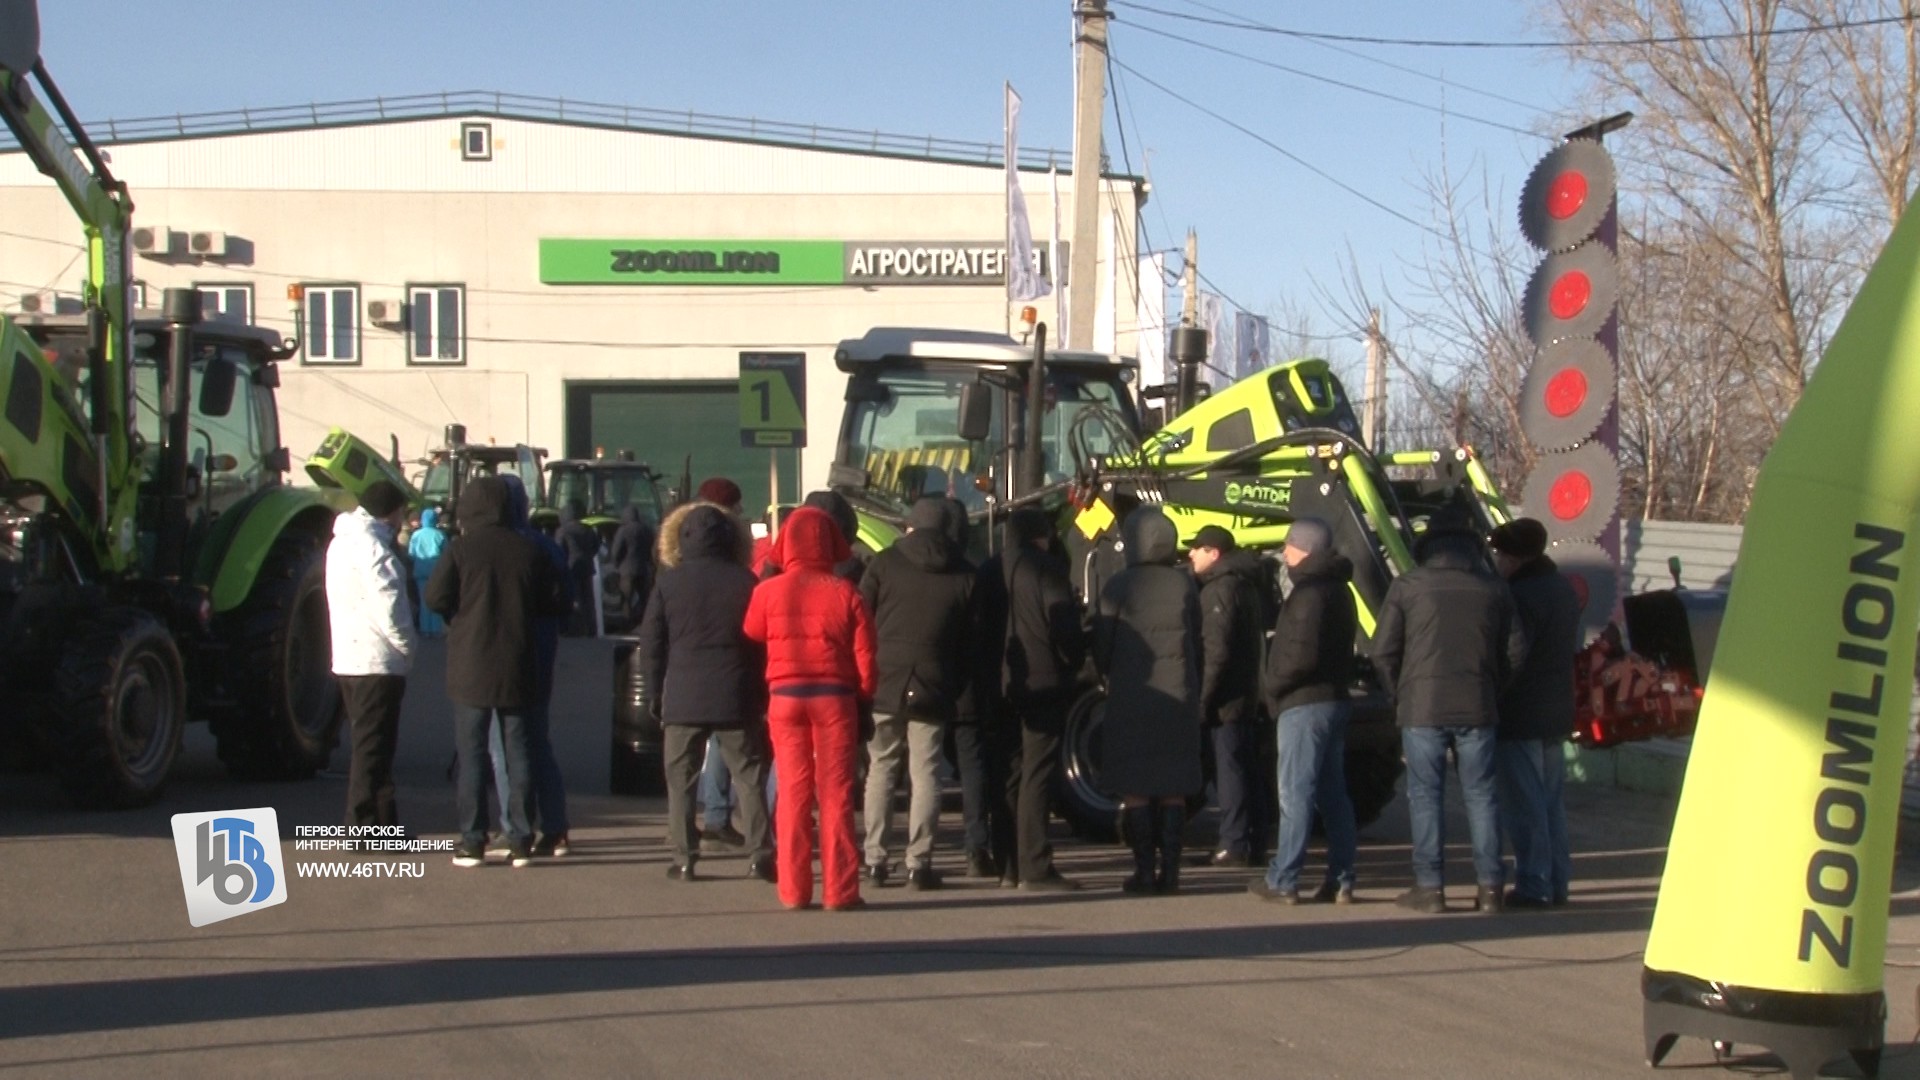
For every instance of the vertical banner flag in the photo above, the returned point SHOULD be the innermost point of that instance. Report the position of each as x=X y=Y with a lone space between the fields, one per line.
x=1023 y=281
x=1055 y=267
x=1252 y=345
x=1151 y=317
x=1217 y=321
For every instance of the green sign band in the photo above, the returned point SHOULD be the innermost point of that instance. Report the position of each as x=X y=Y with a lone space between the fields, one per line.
x=595 y=261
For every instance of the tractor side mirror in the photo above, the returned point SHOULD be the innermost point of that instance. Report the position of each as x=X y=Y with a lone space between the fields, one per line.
x=976 y=411
x=217 y=383
x=1673 y=570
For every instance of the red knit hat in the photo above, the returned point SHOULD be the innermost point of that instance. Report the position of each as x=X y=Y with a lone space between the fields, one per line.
x=720 y=491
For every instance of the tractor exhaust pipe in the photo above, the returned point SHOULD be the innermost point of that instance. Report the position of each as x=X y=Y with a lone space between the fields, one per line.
x=1033 y=466
x=181 y=309
x=1189 y=352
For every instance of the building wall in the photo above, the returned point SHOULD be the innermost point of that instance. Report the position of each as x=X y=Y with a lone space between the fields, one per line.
x=382 y=207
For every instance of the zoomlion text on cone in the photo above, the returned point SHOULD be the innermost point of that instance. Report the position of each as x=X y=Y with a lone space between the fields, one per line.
x=1772 y=921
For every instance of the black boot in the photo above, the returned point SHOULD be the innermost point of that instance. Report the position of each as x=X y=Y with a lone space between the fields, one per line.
x=1137 y=828
x=1173 y=828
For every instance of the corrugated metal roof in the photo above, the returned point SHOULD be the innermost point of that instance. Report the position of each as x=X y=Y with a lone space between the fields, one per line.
x=584 y=114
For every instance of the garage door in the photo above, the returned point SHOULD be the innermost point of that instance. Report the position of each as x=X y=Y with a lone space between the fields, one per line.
x=663 y=422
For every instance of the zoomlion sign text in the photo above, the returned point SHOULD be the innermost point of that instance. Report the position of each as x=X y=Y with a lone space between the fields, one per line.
x=580 y=261
x=1840 y=810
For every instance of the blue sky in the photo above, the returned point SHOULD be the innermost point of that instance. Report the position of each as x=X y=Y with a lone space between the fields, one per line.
x=1268 y=227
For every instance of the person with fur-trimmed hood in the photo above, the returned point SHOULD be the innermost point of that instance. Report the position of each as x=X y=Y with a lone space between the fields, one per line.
x=706 y=678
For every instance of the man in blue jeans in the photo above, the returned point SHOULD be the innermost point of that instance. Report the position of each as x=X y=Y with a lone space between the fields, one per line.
x=491 y=585
x=1536 y=717
x=1446 y=644
x=1309 y=667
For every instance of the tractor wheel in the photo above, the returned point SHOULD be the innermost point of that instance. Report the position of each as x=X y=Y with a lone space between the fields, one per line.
x=280 y=670
x=121 y=693
x=1078 y=794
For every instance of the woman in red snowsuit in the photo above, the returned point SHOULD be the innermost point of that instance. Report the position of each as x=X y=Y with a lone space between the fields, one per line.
x=820 y=674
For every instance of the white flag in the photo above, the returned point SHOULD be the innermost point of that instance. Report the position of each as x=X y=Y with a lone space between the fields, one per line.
x=1217 y=320
x=1252 y=345
x=1058 y=273
x=1023 y=282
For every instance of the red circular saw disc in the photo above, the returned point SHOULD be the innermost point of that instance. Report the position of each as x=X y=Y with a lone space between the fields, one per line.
x=1565 y=394
x=1567 y=196
x=1573 y=492
x=1571 y=295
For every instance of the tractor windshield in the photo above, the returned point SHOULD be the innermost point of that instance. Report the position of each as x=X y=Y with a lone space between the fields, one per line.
x=903 y=428
x=606 y=492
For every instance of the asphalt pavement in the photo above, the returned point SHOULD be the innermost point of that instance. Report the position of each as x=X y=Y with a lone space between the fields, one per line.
x=597 y=965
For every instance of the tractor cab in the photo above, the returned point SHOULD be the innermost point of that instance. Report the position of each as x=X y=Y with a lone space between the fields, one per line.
x=942 y=412
x=451 y=468
x=233 y=432
x=602 y=489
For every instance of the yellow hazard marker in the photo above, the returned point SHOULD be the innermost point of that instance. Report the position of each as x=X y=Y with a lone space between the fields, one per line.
x=1095 y=519
x=1771 y=927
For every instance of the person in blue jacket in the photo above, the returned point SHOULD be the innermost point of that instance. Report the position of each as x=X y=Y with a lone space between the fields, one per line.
x=424 y=547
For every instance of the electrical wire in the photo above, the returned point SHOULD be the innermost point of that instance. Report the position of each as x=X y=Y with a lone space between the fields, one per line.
x=1441 y=43
x=1283 y=152
x=1530 y=106
x=1369 y=91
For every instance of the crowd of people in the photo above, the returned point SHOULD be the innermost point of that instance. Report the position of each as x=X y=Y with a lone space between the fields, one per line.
x=777 y=667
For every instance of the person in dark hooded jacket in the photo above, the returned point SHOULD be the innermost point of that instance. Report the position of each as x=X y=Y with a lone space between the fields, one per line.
x=1446 y=641
x=1231 y=640
x=1536 y=717
x=631 y=558
x=1147 y=644
x=549 y=788
x=820 y=679
x=1029 y=651
x=1309 y=669
x=920 y=592
x=491 y=585
x=711 y=678
x=582 y=546
x=835 y=506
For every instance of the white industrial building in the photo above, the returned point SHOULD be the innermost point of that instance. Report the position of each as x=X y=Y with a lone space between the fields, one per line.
x=571 y=276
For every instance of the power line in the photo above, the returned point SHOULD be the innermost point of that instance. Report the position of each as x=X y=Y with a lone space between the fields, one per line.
x=1146 y=155
x=1439 y=43
x=1530 y=106
x=1283 y=152
x=1369 y=91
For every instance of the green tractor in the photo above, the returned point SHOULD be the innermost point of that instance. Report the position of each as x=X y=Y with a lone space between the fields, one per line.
x=603 y=488
x=153 y=564
x=346 y=463
x=997 y=425
x=449 y=469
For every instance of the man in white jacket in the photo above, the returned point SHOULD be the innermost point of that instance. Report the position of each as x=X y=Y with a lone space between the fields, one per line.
x=372 y=644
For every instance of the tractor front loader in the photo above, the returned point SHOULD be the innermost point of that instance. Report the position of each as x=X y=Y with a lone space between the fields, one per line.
x=153 y=565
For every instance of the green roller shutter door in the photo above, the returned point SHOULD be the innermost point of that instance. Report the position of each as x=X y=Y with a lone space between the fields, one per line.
x=663 y=422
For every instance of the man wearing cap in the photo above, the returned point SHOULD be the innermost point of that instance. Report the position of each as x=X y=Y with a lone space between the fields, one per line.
x=1231 y=637
x=1309 y=669
x=1446 y=644
x=372 y=633
x=1536 y=716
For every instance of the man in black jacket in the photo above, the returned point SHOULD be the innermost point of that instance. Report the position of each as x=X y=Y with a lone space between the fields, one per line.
x=582 y=546
x=710 y=679
x=920 y=592
x=1445 y=645
x=1309 y=668
x=490 y=585
x=1031 y=625
x=1231 y=639
x=631 y=558
x=1536 y=716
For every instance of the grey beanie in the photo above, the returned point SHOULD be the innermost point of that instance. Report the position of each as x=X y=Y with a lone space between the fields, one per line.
x=1309 y=535
x=929 y=514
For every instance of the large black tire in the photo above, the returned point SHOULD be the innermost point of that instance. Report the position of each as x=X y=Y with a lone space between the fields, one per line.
x=121 y=696
x=279 y=669
x=1079 y=795
x=634 y=761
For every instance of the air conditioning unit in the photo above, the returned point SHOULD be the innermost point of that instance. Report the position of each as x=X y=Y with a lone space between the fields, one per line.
x=158 y=241
x=208 y=245
x=390 y=311
x=38 y=303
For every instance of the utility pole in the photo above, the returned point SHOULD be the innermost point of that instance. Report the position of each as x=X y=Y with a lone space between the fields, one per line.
x=1189 y=349
x=1089 y=118
x=1373 y=426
